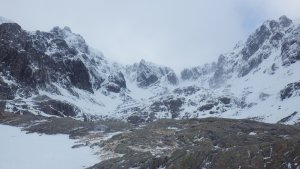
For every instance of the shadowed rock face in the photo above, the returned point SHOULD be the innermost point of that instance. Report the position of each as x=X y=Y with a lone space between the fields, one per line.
x=148 y=74
x=144 y=81
x=33 y=61
x=290 y=90
x=79 y=75
x=24 y=60
x=116 y=82
x=290 y=49
x=197 y=72
x=6 y=92
x=172 y=105
x=187 y=91
x=172 y=78
x=206 y=107
x=285 y=21
x=219 y=74
x=57 y=108
x=255 y=41
x=145 y=75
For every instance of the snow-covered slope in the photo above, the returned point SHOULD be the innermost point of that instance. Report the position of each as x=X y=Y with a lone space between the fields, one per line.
x=57 y=73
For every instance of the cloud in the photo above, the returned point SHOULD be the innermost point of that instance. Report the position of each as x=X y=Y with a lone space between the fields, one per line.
x=286 y=7
x=175 y=33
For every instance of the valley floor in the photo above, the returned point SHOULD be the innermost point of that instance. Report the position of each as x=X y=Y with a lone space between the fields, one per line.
x=209 y=143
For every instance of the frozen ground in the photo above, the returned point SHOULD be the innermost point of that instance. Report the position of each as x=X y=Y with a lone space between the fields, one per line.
x=34 y=151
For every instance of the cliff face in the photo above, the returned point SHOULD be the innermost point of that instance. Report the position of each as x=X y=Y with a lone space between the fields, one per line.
x=52 y=62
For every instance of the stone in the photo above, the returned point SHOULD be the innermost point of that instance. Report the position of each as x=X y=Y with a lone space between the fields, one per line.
x=290 y=90
x=58 y=108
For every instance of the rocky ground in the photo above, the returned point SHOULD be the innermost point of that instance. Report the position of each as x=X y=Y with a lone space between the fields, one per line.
x=210 y=143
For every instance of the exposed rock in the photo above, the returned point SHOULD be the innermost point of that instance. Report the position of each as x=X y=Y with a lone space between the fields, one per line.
x=255 y=41
x=225 y=100
x=206 y=143
x=276 y=38
x=219 y=75
x=79 y=75
x=172 y=78
x=206 y=107
x=116 y=82
x=144 y=81
x=147 y=74
x=28 y=65
x=199 y=72
x=285 y=21
x=6 y=91
x=288 y=118
x=135 y=119
x=54 y=107
x=263 y=96
x=118 y=79
x=290 y=50
x=51 y=61
x=274 y=67
x=186 y=74
x=174 y=106
x=62 y=125
x=187 y=90
x=171 y=105
x=251 y=64
x=290 y=90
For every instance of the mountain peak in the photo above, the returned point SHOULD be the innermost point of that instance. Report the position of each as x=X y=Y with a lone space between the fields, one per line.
x=285 y=21
x=143 y=61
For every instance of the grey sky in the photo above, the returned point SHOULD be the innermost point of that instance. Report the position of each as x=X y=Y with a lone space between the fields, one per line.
x=176 y=33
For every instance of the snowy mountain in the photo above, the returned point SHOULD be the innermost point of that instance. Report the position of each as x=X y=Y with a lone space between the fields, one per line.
x=50 y=73
x=147 y=74
x=257 y=71
x=57 y=73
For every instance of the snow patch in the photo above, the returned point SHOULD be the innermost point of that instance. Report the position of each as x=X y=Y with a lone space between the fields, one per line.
x=36 y=151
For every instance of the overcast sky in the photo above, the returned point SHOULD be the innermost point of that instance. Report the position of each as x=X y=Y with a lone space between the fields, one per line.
x=176 y=33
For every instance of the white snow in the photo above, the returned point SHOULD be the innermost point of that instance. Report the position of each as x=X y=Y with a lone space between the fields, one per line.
x=7 y=81
x=138 y=93
x=94 y=104
x=34 y=151
x=172 y=128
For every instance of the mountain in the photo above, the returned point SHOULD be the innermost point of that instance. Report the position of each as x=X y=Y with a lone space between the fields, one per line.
x=257 y=73
x=147 y=74
x=58 y=73
x=41 y=72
